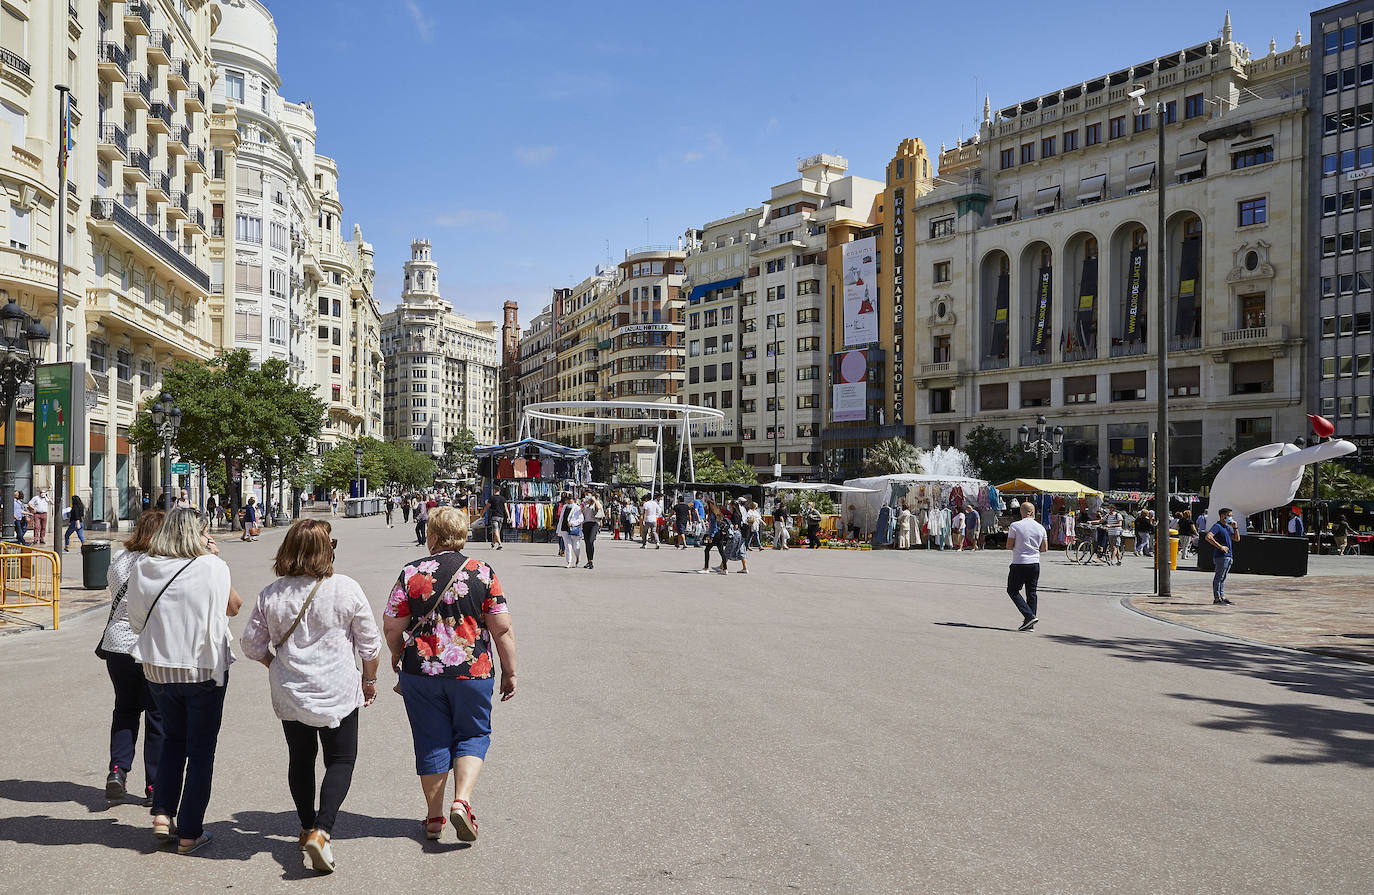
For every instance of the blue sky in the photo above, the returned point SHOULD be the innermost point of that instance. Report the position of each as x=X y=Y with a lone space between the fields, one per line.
x=523 y=139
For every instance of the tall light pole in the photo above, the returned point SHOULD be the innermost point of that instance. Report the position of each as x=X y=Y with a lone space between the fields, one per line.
x=24 y=338
x=358 y=458
x=1042 y=447
x=167 y=420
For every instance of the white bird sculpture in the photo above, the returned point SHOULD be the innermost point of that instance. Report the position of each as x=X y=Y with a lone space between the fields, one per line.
x=1267 y=477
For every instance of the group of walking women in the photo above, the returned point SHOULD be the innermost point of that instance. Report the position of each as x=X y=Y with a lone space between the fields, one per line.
x=168 y=649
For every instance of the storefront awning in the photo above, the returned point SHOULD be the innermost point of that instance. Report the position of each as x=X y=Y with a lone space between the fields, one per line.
x=1047 y=486
x=1046 y=198
x=1140 y=177
x=699 y=291
x=1090 y=189
x=1006 y=207
x=1191 y=162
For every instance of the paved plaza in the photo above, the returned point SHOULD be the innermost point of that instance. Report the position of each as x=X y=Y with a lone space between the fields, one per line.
x=835 y=721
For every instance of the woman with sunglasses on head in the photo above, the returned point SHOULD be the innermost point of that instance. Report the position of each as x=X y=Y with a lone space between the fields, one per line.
x=307 y=628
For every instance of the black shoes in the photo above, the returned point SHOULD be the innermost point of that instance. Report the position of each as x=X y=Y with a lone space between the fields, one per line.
x=590 y=566
x=1028 y=624
x=1222 y=602
x=114 y=784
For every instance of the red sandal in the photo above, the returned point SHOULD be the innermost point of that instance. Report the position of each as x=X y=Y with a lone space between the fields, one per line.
x=431 y=821
x=464 y=822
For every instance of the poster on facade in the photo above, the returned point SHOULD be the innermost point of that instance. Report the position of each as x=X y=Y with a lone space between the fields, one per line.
x=849 y=394
x=860 y=292
x=1085 y=323
x=1000 y=320
x=59 y=415
x=1186 y=319
x=1135 y=296
x=1042 y=312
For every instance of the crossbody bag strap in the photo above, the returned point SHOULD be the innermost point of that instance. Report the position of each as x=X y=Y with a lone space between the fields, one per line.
x=163 y=591
x=299 y=615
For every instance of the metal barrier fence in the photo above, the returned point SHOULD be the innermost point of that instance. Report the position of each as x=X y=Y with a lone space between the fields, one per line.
x=30 y=578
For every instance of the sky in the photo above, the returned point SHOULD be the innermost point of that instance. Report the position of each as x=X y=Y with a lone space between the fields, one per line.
x=530 y=142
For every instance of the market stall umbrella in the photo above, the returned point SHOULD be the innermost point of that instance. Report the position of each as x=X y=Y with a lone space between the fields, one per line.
x=1048 y=486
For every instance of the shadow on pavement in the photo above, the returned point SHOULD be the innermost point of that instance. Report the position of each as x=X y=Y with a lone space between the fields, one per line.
x=1331 y=735
x=976 y=627
x=92 y=798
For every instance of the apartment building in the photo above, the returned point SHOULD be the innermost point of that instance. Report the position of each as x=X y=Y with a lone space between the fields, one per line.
x=1340 y=214
x=783 y=358
x=140 y=74
x=1028 y=268
x=644 y=338
x=577 y=312
x=717 y=262
x=536 y=371
x=441 y=368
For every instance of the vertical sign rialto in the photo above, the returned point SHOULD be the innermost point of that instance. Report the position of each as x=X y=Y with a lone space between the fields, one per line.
x=898 y=302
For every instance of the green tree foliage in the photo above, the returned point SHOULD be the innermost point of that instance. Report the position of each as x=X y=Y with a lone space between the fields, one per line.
x=408 y=468
x=891 y=457
x=458 y=460
x=994 y=458
x=708 y=468
x=1338 y=483
x=739 y=471
x=384 y=465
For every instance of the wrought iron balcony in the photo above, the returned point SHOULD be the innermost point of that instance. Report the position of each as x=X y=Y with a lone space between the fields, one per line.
x=216 y=226
x=138 y=90
x=195 y=98
x=159 y=117
x=138 y=17
x=113 y=141
x=179 y=74
x=178 y=205
x=109 y=210
x=196 y=221
x=139 y=166
x=159 y=48
x=178 y=140
x=195 y=160
x=159 y=186
x=113 y=61
x=14 y=61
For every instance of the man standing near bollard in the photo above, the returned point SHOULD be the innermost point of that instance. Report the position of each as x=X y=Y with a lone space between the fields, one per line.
x=1026 y=539
x=1222 y=536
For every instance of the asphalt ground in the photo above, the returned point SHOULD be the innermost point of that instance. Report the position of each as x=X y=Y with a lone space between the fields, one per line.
x=835 y=721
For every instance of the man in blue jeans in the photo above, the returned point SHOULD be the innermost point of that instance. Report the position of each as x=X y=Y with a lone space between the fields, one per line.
x=1222 y=536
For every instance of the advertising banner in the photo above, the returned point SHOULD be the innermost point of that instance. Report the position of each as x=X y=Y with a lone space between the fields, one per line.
x=1042 y=312
x=1185 y=319
x=1085 y=315
x=1000 y=321
x=59 y=415
x=1135 y=296
x=898 y=305
x=860 y=292
x=849 y=394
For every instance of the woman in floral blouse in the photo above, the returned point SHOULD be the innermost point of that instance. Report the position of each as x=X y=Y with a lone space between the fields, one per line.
x=441 y=620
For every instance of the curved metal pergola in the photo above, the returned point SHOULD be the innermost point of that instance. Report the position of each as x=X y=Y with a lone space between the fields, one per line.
x=610 y=413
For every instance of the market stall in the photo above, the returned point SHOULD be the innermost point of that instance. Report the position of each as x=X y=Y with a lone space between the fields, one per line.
x=531 y=474
x=873 y=509
x=1057 y=503
x=830 y=522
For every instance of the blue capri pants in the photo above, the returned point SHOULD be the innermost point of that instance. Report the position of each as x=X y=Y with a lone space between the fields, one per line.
x=449 y=718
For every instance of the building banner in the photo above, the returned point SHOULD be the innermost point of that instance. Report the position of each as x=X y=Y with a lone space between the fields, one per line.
x=1086 y=316
x=860 y=292
x=849 y=394
x=1000 y=320
x=59 y=415
x=1185 y=318
x=898 y=305
x=1042 y=312
x=1135 y=295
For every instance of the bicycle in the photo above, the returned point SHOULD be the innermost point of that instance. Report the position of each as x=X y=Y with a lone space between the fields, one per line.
x=1086 y=549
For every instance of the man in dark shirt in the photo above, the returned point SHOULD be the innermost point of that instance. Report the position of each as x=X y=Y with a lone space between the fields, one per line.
x=1222 y=537
x=496 y=517
x=682 y=517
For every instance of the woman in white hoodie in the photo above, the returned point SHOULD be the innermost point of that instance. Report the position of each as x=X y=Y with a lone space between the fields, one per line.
x=180 y=600
x=570 y=530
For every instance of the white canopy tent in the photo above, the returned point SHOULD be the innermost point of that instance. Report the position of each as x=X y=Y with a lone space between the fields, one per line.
x=812 y=486
x=880 y=493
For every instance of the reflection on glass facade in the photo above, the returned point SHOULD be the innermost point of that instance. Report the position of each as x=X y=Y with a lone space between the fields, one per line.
x=1128 y=457
x=1185 y=455
x=1080 y=455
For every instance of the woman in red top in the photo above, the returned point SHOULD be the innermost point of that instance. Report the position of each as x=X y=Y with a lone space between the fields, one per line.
x=441 y=620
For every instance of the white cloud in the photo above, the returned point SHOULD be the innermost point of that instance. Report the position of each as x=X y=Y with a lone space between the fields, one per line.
x=535 y=155
x=472 y=219
x=422 y=22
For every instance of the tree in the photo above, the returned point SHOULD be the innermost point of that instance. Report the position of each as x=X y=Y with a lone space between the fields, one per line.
x=1223 y=456
x=708 y=467
x=891 y=457
x=408 y=468
x=739 y=471
x=459 y=459
x=994 y=458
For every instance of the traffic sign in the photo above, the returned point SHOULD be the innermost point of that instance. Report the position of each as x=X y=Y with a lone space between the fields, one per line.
x=181 y=469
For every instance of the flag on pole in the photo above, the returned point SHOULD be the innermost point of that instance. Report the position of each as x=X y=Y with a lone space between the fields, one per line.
x=64 y=143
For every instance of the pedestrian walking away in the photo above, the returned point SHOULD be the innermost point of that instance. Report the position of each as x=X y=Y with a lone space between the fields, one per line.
x=250 y=521
x=1187 y=530
x=405 y=510
x=442 y=617
x=421 y=520
x=780 y=529
x=495 y=513
x=591 y=524
x=1222 y=536
x=180 y=601
x=1026 y=539
x=649 y=513
x=812 y=517
x=570 y=530
x=386 y=510
x=682 y=517
x=307 y=627
x=717 y=534
x=972 y=524
x=76 y=522
x=133 y=700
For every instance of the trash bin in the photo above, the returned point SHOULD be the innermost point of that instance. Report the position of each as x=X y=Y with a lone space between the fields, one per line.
x=95 y=565
x=1173 y=552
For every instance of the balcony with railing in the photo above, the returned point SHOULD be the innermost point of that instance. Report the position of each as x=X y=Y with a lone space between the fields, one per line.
x=178 y=74
x=1036 y=358
x=159 y=187
x=994 y=362
x=195 y=221
x=159 y=48
x=195 y=160
x=194 y=100
x=14 y=62
x=138 y=91
x=138 y=17
x=216 y=226
x=114 y=143
x=1122 y=348
x=178 y=140
x=178 y=206
x=159 y=117
x=109 y=212
x=112 y=61
x=138 y=168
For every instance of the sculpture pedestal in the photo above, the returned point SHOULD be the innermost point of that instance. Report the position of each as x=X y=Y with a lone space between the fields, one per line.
x=1261 y=555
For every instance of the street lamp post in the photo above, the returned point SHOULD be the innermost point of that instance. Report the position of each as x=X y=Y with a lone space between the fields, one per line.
x=1042 y=447
x=167 y=420
x=358 y=458
x=24 y=338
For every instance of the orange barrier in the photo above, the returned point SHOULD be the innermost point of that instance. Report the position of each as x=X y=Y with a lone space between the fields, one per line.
x=29 y=577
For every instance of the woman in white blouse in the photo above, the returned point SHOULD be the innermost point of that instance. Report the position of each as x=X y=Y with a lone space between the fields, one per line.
x=307 y=628
x=180 y=600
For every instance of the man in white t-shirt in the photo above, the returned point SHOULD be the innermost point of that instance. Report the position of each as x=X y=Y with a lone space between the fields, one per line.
x=1026 y=539
x=650 y=512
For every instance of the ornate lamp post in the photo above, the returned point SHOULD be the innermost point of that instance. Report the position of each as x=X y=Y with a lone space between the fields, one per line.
x=1042 y=447
x=24 y=339
x=167 y=420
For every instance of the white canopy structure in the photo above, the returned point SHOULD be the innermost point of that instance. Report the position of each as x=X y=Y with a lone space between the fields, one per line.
x=813 y=486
